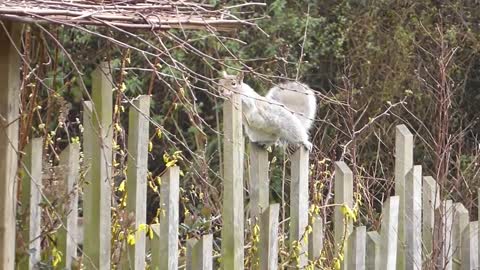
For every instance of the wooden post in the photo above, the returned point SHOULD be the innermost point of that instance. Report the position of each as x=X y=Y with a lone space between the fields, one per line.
x=137 y=178
x=31 y=199
x=470 y=249
x=357 y=246
x=460 y=222
x=201 y=254
x=269 y=238
x=232 y=212
x=343 y=195
x=430 y=202
x=403 y=164
x=374 y=253
x=155 y=242
x=190 y=243
x=67 y=238
x=98 y=154
x=165 y=246
x=299 y=201
x=413 y=221
x=9 y=114
x=315 y=239
x=89 y=141
x=259 y=181
x=389 y=233
x=443 y=235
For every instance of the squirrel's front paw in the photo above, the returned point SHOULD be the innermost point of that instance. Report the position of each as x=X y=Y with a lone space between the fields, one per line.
x=308 y=145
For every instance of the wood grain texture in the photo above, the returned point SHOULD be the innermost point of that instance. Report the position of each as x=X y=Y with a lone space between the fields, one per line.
x=232 y=211
x=9 y=113
x=137 y=167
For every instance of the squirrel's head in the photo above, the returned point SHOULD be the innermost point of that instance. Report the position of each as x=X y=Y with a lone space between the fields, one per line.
x=230 y=84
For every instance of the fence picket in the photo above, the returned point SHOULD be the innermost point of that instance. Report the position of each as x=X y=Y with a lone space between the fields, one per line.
x=137 y=178
x=70 y=166
x=201 y=254
x=9 y=113
x=373 y=251
x=343 y=196
x=430 y=203
x=98 y=154
x=389 y=233
x=470 y=246
x=31 y=199
x=190 y=244
x=315 y=240
x=232 y=212
x=259 y=181
x=444 y=233
x=357 y=245
x=403 y=164
x=413 y=218
x=165 y=246
x=299 y=202
x=268 y=249
x=460 y=222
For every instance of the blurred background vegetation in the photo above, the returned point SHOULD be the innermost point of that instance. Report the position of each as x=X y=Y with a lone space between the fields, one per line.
x=373 y=65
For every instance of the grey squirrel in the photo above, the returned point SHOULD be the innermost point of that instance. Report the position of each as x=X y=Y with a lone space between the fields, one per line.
x=284 y=115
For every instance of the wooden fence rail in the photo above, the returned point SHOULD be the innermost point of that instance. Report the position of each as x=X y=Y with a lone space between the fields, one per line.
x=414 y=221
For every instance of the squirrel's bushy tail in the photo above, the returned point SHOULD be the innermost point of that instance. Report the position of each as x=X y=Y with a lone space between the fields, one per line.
x=298 y=98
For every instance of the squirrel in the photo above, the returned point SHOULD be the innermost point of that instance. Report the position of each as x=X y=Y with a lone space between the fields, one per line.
x=283 y=116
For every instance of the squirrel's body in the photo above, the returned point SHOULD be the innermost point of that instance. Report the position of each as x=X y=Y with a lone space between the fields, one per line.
x=283 y=116
x=298 y=97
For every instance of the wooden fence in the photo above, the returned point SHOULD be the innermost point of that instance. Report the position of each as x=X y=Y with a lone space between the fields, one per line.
x=415 y=222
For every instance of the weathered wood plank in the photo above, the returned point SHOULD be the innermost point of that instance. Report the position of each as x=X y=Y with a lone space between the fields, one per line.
x=190 y=244
x=268 y=249
x=403 y=164
x=70 y=166
x=9 y=113
x=470 y=247
x=343 y=195
x=374 y=253
x=137 y=177
x=89 y=141
x=31 y=199
x=430 y=202
x=154 y=245
x=357 y=246
x=389 y=233
x=413 y=221
x=201 y=254
x=259 y=181
x=443 y=235
x=460 y=222
x=299 y=201
x=232 y=212
x=98 y=156
x=315 y=239
x=165 y=246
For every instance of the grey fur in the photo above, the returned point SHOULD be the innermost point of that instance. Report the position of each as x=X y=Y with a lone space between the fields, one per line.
x=284 y=115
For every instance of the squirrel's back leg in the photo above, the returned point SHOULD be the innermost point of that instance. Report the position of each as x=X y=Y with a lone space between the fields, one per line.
x=295 y=133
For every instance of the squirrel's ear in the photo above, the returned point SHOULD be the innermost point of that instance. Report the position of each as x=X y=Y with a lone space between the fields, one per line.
x=240 y=76
x=224 y=74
